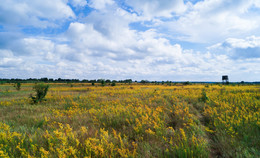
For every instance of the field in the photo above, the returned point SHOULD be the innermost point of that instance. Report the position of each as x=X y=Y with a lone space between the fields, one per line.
x=131 y=120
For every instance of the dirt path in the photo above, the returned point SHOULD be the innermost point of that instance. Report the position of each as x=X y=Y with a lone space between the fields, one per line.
x=204 y=121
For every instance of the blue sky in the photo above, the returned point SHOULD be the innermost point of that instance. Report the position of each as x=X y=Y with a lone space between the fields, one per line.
x=178 y=40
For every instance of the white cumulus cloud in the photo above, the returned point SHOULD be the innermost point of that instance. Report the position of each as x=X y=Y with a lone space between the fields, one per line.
x=248 y=48
x=78 y=3
x=214 y=20
x=136 y=39
x=157 y=8
x=100 y=4
x=34 y=13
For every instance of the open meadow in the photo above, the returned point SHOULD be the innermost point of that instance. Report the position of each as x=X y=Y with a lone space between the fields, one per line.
x=131 y=120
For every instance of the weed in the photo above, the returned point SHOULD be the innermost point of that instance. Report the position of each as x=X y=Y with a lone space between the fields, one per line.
x=204 y=96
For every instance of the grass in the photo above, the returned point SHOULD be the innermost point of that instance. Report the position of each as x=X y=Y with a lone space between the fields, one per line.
x=131 y=121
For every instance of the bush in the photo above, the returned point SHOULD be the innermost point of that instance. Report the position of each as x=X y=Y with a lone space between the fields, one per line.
x=113 y=84
x=103 y=83
x=41 y=91
x=186 y=83
x=17 y=86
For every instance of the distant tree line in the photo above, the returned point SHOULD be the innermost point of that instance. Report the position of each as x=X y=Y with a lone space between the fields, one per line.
x=60 y=80
x=105 y=81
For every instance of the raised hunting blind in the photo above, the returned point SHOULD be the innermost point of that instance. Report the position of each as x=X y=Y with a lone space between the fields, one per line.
x=225 y=79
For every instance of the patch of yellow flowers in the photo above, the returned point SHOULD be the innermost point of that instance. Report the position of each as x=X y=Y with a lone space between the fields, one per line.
x=135 y=121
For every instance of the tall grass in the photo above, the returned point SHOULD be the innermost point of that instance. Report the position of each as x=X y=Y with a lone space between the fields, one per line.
x=131 y=121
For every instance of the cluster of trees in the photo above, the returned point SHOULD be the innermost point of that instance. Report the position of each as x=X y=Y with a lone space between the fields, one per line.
x=45 y=79
x=105 y=81
x=60 y=80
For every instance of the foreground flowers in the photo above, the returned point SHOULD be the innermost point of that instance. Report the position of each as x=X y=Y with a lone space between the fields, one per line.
x=133 y=121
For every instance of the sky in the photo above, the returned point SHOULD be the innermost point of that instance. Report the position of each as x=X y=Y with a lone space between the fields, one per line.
x=175 y=40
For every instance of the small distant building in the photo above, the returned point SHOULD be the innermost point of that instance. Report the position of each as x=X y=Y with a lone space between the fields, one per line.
x=225 y=79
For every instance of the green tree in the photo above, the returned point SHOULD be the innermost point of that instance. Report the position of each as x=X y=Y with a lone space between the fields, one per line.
x=41 y=91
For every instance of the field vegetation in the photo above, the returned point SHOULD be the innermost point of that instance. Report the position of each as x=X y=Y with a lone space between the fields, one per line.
x=130 y=120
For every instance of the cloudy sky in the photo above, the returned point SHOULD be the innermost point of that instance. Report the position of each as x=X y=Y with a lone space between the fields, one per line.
x=178 y=40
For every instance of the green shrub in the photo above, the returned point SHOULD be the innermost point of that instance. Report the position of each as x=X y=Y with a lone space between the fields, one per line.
x=186 y=83
x=41 y=91
x=17 y=86
x=113 y=84
x=103 y=83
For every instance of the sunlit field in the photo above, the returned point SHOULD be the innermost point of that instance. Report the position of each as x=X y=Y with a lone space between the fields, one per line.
x=131 y=120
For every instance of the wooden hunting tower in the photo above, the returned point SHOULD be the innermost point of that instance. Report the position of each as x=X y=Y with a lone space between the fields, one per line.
x=225 y=79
